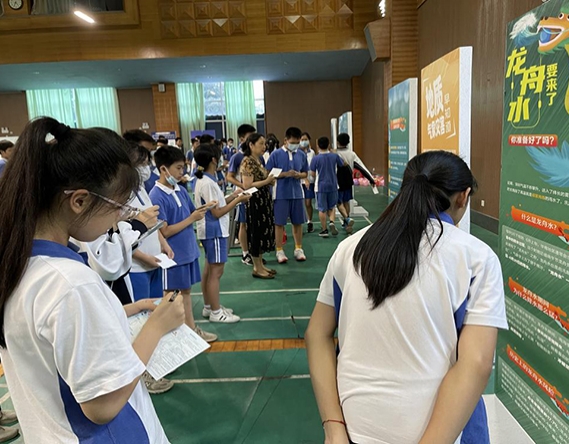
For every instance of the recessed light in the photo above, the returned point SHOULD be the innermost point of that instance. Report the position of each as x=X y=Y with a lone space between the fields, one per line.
x=202 y=66
x=36 y=73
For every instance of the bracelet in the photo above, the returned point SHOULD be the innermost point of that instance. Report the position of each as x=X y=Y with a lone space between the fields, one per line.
x=334 y=420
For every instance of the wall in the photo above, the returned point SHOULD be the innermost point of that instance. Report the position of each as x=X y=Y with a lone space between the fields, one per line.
x=447 y=24
x=13 y=112
x=308 y=105
x=374 y=153
x=136 y=106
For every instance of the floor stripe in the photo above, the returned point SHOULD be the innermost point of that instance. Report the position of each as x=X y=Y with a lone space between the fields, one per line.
x=368 y=221
x=245 y=379
x=282 y=290
x=283 y=318
x=4 y=398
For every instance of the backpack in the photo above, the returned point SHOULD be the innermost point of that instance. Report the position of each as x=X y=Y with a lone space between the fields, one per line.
x=345 y=178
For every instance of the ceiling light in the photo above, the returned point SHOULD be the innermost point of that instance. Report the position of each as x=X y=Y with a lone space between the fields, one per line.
x=202 y=66
x=382 y=7
x=84 y=16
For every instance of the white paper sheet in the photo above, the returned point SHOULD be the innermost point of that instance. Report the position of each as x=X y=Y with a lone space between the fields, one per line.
x=375 y=190
x=165 y=261
x=276 y=172
x=174 y=349
x=250 y=191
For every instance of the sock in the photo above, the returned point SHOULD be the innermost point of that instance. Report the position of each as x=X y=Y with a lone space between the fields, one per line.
x=216 y=312
x=298 y=247
x=207 y=307
x=279 y=248
x=245 y=253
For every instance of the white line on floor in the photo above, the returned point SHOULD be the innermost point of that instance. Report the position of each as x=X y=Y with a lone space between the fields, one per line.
x=244 y=379
x=281 y=290
x=368 y=221
x=4 y=398
x=284 y=318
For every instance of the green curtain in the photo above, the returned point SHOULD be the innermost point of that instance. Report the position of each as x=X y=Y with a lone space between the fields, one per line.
x=191 y=109
x=239 y=106
x=98 y=107
x=56 y=103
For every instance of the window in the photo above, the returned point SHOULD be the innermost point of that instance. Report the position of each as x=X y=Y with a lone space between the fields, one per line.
x=52 y=7
x=214 y=104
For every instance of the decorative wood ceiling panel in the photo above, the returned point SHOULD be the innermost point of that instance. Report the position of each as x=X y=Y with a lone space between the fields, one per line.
x=298 y=16
x=202 y=18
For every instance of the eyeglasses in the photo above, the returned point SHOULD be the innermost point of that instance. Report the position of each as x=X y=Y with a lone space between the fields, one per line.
x=127 y=212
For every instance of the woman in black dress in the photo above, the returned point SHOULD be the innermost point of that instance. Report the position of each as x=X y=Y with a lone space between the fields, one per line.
x=260 y=214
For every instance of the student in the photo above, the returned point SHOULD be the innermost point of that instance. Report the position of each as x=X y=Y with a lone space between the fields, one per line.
x=308 y=183
x=427 y=300
x=346 y=180
x=190 y=153
x=213 y=231
x=323 y=168
x=180 y=143
x=162 y=142
x=82 y=380
x=178 y=212
x=234 y=178
x=146 y=141
x=6 y=151
x=287 y=192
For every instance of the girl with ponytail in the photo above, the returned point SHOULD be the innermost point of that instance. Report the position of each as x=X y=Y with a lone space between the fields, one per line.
x=417 y=303
x=71 y=369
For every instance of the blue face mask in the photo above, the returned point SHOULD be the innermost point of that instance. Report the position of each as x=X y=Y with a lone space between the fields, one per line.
x=293 y=147
x=170 y=179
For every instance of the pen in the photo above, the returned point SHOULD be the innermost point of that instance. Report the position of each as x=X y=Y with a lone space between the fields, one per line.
x=173 y=297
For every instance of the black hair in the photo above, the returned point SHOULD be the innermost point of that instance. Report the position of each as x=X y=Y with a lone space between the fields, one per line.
x=204 y=155
x=343 y=139
x=387 y=255
x=178 y=138
x=167 y=156
x=195 y=139
x=5 y=145
x=163 y=140
x=223 y=140
x=293 y=133
x=206 y=138
x=253 y=138
x=306 y=134
x=37 y=176
x=245 y=129
x=272 y=142
x=323 y=143
x=138 y=136
x=230 y=140
x=138 y=154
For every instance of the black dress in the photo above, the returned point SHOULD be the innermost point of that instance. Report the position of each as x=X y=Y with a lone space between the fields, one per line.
x=260 y=213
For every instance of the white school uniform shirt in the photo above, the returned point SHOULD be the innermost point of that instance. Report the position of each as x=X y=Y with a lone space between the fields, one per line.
x=68 y=342
x=210 y=227
x=309 y=156
x=151 y=244
x=393 y=359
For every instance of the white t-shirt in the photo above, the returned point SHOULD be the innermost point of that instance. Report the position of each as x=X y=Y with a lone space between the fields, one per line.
x=151 y=244
x=68 y=342
x=210 y=227
x=393 y=359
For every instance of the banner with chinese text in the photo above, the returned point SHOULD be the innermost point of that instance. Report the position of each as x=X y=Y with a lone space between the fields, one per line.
x=402 y=122
x=533 y=357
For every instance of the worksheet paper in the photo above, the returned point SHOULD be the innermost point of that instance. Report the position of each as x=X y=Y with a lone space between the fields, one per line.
x=276 y=172
x=174 y=349
x=165 y=261
x=251 y=191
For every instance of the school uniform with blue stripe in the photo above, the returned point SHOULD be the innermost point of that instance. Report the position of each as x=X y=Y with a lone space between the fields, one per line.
x=68 y=342
x=325 y=166
x=411 y=340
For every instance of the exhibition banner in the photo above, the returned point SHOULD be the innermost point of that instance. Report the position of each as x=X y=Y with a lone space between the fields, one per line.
x=402 y=128
x=533 y=356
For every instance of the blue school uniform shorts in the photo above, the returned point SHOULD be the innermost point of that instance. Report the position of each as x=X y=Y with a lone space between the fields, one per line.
x=147 y=284
x=242 y=214
x=292 y=209
x=182 y=277
x=309 y=192
x=327 y=201
x=345 y=196
x=215 y=250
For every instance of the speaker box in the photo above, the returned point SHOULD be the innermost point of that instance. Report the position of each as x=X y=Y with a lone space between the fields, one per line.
x=378 y=37
x=161 y=88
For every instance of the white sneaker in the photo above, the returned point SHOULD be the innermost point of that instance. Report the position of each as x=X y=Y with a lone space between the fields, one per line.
x=281 y=257
x=224 y=317
x=299 y=255
x=7 y=417
x=333 y=230
x=207 y=311
x=206 y=336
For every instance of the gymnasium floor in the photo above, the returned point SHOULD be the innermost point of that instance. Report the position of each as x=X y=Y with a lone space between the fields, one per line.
x=253 y=385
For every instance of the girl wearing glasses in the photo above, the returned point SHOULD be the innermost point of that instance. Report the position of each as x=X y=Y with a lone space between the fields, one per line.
x=71 y=369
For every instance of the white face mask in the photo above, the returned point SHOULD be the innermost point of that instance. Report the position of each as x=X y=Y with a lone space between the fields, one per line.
x=144 y=172
x=293 y=147
x=220 y=162
x=304 y=143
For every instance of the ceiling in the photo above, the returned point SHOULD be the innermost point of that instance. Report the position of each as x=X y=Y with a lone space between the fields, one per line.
x=329 y=65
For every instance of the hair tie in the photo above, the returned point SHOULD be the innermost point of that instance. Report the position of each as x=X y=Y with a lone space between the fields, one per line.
x=422 y=177
x=60 y=131
x=201 y=168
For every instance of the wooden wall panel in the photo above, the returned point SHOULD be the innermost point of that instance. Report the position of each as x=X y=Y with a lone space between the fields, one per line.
x=146 y=39
x=13 y=112
x=307 y=105
x=166 y=108
x=136 y=107
x=447 y=24
x=357 y=115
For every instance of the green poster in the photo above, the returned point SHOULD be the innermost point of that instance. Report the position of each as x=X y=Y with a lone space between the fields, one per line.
x=402 y=122
x=533 y=356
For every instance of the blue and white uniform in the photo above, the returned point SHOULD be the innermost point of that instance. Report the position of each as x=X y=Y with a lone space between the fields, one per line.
x=175 y=206
x=288 y=193
x=235 y=167
x=325 y=166
x=68 y=342
x=309 y=192
x=388 y=388
x=212 y=232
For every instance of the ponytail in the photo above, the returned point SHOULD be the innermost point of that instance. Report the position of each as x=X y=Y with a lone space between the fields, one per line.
x=387 y=255
x=204 y=155
x=34 y=181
